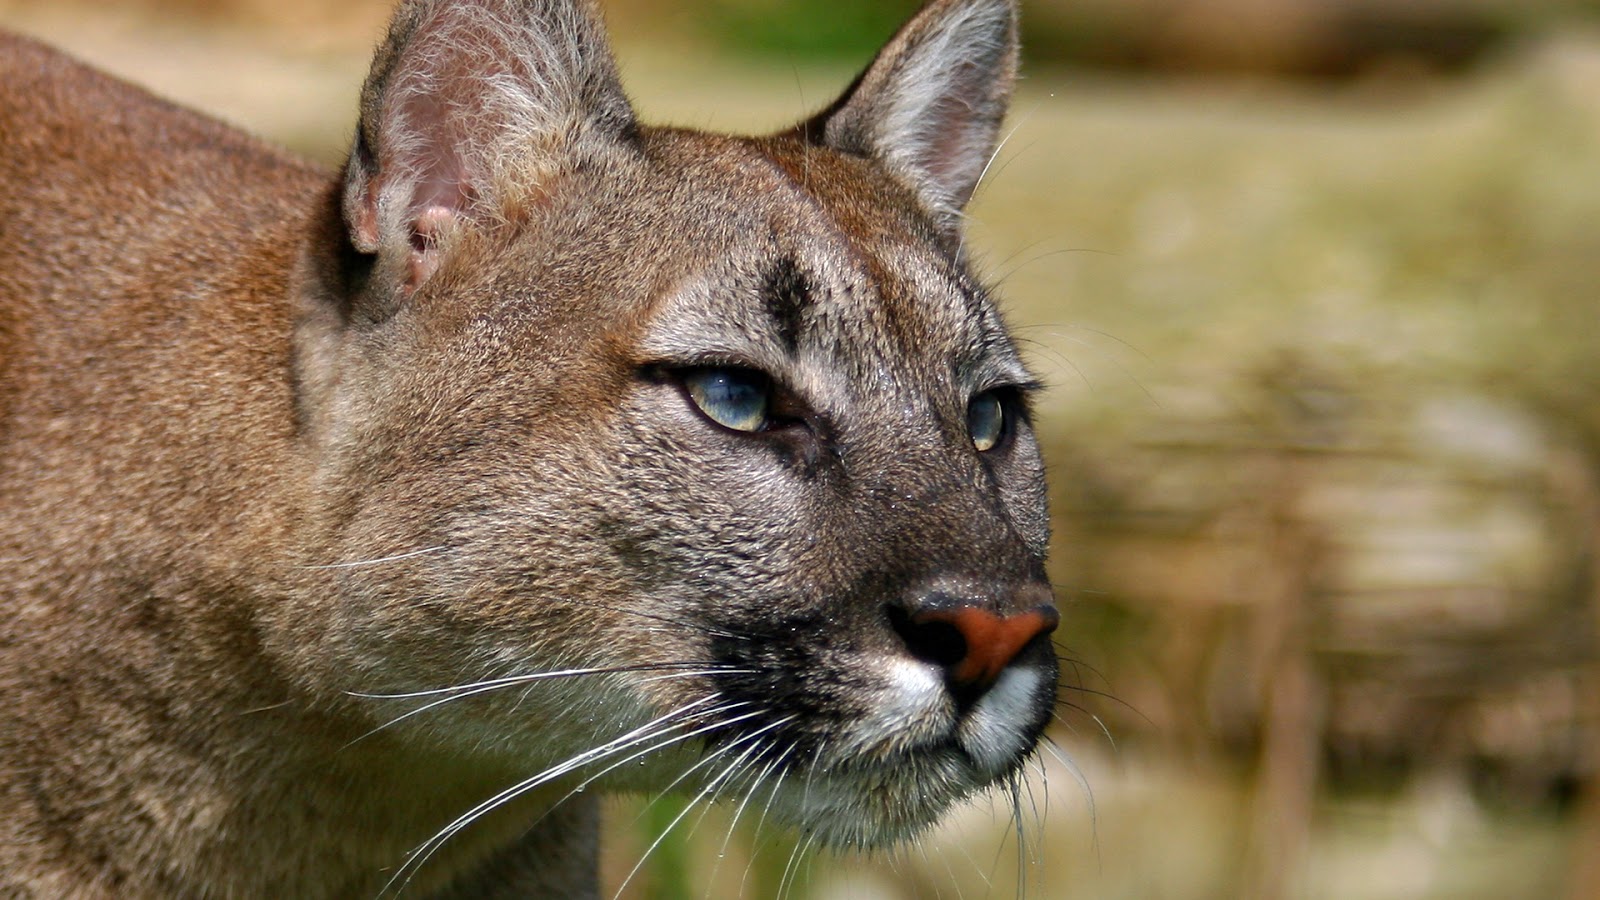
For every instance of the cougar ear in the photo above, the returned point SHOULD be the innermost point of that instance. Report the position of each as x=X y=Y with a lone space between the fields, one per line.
x=459 y=93
x=929 y=106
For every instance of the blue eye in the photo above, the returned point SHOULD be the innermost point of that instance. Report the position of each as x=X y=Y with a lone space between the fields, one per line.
x=733 y=398
x=986 y=421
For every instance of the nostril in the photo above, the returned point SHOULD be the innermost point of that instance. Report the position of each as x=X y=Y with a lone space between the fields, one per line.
x=973 y=645
x=938 y=642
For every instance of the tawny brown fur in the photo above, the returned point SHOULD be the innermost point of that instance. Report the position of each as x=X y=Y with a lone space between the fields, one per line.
x=274 y=441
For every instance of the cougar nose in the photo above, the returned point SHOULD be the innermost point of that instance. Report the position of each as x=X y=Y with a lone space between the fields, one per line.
x=971 y=644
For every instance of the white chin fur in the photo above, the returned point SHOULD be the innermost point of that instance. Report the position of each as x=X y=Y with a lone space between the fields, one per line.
x=914 y=710
x=912 y=715
x=994 y=733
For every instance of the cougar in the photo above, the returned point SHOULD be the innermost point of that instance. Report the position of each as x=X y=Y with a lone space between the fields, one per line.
x=358 y=529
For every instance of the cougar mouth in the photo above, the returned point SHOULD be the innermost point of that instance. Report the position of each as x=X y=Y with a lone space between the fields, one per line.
x=863 y=752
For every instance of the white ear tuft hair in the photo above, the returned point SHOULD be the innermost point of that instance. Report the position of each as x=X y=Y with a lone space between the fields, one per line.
x=459 y=92
x=929 y=107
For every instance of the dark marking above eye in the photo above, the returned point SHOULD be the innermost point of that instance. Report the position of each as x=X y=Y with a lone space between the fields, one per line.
x=786 y=293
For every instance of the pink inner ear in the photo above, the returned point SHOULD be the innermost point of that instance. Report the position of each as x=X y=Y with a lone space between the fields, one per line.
x=364 y=229
x=957 y=151
x=426 y=229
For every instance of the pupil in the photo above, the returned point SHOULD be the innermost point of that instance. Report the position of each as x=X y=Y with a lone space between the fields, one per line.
x=984 y=421
x=735 y=394
x=730 y=397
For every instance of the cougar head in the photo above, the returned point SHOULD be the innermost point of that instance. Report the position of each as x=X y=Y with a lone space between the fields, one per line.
x=670 y=458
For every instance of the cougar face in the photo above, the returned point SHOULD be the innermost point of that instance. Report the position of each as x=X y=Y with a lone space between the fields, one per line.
x=767 y=480
x=580 y=452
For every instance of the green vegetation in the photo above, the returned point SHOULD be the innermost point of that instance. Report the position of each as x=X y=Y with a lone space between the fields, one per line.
x=803 y=29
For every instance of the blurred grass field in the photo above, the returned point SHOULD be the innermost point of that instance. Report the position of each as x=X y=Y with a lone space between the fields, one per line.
x=1323 y=434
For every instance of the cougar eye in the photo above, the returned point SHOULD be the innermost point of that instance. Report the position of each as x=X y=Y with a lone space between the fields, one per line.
x=733 y=398
x=986 y=421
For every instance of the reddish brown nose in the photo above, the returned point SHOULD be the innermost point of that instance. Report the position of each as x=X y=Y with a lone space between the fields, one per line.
x=973 y=645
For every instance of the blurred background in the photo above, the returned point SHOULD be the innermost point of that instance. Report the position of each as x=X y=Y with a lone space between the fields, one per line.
x=1314 y=284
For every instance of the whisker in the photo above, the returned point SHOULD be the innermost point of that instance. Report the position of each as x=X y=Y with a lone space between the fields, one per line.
x=518 y=679
x=1065 y=759
x=1001 y=146
x=379 y=561
x=712 y=758
x=646 y=732
x=1103 y=695
x=1013 y=791
x=268 y=708
x=733 y=824
x=1000 y=848
x=1117 y=364
x=755 y=784
x=1079 y=326
x=1016 y=263
x=1099 y=722
x=961 y=243
x=693 y=673
x=761 y=823
x=790 y=869
x=685 y=624
x=744 y=765
x=811 y=771
x=1040 y=814
x=582 y=785
x=460 y=692
x=1106 y=695
x=985 y=875
x=1044 y=788
x=711 y=786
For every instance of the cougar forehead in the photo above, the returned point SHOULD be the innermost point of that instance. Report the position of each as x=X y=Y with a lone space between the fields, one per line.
x=834 y=265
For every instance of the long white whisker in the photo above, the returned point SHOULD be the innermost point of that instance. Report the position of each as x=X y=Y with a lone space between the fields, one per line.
x=1044 y=788
x=755 y=784
x=697 y=672
x=379 y=561
x=773 y=794
x=517 y=679
x=627 y=742
x=713 y=757
x=733 y=824
x=646 y=732
x=711 y=786
x=949 y=870
x=791 y=870
x=986 y=875
x=654 y=748
x=1106 y=730
x=460 y=692
x=1014 y=792
x=961 y=244
x=1001 y=146
x=742 y=766
x=761 y=823
x=1065 y=759
x=921 y=846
